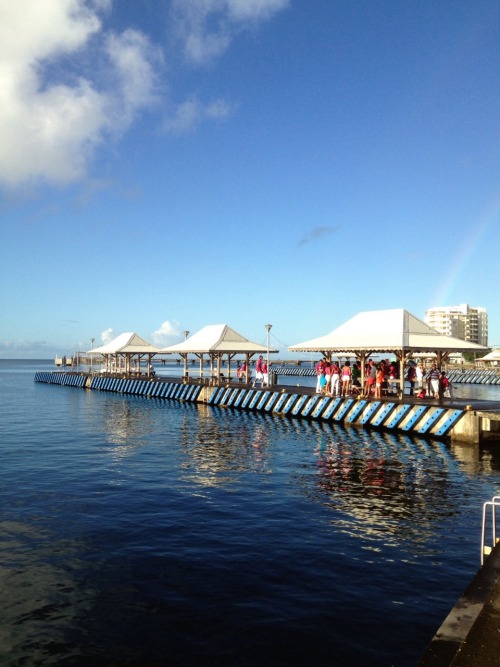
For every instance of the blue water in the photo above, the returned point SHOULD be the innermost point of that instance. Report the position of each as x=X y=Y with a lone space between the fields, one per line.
x=146 y=532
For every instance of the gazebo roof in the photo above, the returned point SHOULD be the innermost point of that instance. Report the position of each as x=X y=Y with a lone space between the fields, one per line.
x=386 y=331
x=491 y=356
x=126 y=343
x=216 y=339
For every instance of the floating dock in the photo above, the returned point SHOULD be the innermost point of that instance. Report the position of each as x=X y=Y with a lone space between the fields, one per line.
x=467 y=421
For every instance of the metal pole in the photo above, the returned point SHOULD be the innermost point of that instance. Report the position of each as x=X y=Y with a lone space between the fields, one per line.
x=268 y=328
x=186 y=371
x=91 y=355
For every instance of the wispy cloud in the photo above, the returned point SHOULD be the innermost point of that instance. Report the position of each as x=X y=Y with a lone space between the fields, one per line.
x=206 y=28
x=317 y=233
x=189 y=114
x=19 y=348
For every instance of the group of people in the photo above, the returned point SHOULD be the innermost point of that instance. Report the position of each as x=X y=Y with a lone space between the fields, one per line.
x=431 y=383
x=334 y=379
x=261 y=372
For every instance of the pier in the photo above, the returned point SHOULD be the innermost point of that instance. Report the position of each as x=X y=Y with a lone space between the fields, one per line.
x=463 y=420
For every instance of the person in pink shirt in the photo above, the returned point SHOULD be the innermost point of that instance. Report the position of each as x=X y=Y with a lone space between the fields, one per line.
x=335 y=379
x=346 y=378
x=320 y=375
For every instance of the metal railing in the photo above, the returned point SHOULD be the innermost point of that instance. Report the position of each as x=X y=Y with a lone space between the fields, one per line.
x=487 y=549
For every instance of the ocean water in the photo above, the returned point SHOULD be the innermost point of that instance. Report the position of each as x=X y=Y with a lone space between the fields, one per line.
x=146 y=532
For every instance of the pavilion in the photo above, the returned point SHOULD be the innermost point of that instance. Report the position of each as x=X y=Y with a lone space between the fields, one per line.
x=125 y=352
x=396 y=332
x=492 y=358
x=217 y=341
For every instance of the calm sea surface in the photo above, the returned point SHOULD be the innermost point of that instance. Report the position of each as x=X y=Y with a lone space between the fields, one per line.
x=145 y=532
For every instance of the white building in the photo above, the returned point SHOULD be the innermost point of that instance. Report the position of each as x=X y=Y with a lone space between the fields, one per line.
x=466 y=322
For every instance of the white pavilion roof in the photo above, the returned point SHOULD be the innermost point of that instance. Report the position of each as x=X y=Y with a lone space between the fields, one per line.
x=386 y=331
x=214 y=339
x=126 y=343
x=491 y=356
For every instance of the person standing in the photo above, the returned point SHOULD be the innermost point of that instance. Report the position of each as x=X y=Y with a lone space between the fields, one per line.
x=259 y=376
x=370 y=379
x=346 y=379
x=335 y=379
x=320 y=375
x=265 y=373
x=328 y=371
x=433 y=378
x=411 y=375
x=356 y=374
x=379 y=381
x=419 y=375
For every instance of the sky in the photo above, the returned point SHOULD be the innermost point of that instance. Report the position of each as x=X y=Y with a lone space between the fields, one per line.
x=169 y=164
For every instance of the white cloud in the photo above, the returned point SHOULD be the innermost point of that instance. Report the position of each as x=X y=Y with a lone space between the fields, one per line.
x=167 y=334
x=107 y=336
x=68 y=85
x=53 y=114
x=207 y=27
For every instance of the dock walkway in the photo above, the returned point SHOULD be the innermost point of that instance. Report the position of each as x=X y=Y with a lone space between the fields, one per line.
x=466 y=420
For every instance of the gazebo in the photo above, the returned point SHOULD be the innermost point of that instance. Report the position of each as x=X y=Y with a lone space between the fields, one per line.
x=394 y=331
x=122 y=352
x=492 y=358
x=217 y=341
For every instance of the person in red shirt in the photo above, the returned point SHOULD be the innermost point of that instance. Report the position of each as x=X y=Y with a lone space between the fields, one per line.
x=259 y=376
x=265 y=375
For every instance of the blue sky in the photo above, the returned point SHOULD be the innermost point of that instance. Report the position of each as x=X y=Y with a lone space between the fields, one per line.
x=170 y=164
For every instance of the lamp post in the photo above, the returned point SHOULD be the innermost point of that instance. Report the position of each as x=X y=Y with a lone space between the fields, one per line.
x=268 y=329
x=186 y=334
x=91 y=355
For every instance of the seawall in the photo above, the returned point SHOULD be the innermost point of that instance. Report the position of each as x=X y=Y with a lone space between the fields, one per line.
x=420 y=418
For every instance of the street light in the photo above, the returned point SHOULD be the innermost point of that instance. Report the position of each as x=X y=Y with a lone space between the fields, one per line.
x=268 y=329
x=91 y=355
x=186 y=334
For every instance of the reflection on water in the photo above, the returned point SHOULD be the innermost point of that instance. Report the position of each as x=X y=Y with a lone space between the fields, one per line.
x=126 y=422
x=382 y=485
x=215 y=453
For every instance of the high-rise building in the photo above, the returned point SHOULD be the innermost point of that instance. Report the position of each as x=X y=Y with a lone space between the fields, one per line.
x=466 y=322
